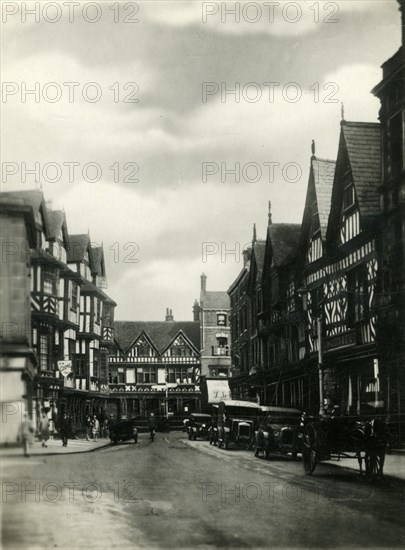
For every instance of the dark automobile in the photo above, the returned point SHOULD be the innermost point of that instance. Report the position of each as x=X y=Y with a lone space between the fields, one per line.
x=278 y=432
x=237 y=421
x=198 y=425
x=124 y=430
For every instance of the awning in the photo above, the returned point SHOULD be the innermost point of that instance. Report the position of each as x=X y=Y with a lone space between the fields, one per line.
x=218 y=390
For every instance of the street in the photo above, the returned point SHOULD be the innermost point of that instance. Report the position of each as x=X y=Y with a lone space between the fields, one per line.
x=174 y=493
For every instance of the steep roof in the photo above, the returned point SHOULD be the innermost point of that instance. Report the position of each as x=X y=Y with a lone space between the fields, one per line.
x=363 y=144
x=284 y=241
x=161 y=333
x=78 y=245
x=56 y=219
x=259 y=249
x=215 y=299
x=323 y=172
x=97 y=258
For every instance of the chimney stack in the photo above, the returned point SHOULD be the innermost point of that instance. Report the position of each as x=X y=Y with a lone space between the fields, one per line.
x=203 y=282
x=196 y=311
x=169 y=315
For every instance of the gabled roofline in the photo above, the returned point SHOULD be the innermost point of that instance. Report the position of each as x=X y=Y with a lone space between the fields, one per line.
x=190 y=343
x=148 y=338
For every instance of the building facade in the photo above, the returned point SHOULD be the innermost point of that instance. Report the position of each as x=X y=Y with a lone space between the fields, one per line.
x=18 y=360
x=154 y=367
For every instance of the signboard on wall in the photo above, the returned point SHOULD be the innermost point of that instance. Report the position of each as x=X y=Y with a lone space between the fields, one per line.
x=218 y=390
x=65 y=367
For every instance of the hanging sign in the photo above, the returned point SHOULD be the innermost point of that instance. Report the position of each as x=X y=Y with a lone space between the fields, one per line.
x=65 y=367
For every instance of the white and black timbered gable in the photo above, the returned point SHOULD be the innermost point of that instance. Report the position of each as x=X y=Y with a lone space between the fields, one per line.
x=180 y=346
x=143 y=347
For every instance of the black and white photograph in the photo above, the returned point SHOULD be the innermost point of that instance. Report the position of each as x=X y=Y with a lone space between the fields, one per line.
x=202 y=274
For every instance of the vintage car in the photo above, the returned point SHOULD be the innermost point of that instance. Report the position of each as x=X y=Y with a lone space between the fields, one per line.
x=278 y=432
x=237 y=421
x=198 y=425
x=124 y=430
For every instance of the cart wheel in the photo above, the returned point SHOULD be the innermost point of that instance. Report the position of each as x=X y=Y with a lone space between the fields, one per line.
x=374 y=461
x=309 y=453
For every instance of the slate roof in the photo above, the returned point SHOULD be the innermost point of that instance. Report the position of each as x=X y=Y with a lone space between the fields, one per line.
x=161 y=333
x=215 y=299
x=284 y=241
x=56 y=219
x=77 y=247
x=97 y=258
x=363 y=145
x=33 y=197
x=259 y=249
x=323 y=172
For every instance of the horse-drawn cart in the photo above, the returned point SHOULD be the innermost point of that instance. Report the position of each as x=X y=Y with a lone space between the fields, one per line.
x=344 y=437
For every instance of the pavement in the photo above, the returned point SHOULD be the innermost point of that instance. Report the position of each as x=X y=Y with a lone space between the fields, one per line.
x=55 y=447
x=394 y=465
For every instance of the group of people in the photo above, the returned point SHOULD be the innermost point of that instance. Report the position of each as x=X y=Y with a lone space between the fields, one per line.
x=95 y=428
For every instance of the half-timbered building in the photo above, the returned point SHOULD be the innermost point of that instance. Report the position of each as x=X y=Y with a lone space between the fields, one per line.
x=341 y=285
x=154 y=367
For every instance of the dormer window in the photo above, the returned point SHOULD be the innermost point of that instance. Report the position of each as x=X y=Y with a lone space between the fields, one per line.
x=348 y=197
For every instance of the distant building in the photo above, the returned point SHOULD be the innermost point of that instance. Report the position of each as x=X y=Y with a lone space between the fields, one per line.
x=214 y=316
x=17 y=358
x=154 y=367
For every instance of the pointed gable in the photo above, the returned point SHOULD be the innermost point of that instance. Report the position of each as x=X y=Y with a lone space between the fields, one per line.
x=256 y=263
x=180 y=346
x=79 y=245
x=142 y=347
x=317 y=208
x=355 y=196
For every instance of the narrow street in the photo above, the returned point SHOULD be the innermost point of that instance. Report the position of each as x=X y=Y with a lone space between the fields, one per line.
x=174 y=493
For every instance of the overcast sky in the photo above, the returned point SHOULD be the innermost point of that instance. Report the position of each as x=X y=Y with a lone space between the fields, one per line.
x=174 y=136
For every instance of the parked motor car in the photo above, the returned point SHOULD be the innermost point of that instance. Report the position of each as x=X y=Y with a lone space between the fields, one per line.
x=278 y=432
x=237 y=421
x=198 y=425
x=124 y=430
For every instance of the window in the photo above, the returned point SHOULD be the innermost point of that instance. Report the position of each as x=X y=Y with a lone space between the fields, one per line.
x=49 y=279
x=180 y=351
x=357 y=295
x=348 y=196
x=180 y=375
x=143 y=350
x=146 y=375
x=80 y=365
x=74 y=296
x=221 y=319
x=98 y=310
x=43 y=351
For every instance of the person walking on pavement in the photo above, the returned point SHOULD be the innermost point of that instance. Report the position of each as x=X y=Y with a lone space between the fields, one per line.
x=26 y=433
x=152 y=426
x=44 y=428
x=95 y=428
x=65 y=429
x=88 y=426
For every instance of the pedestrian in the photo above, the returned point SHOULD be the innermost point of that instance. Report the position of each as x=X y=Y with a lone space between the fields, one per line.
x=51 y=429
x=65 y=429
x=44 y=428
x=152 y=426
x=106 y=428
x=88 y=426
x=26 y=433
x=95 y=428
